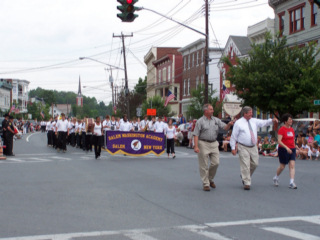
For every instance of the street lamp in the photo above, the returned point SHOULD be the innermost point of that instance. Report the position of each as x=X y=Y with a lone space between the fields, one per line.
x=95 y=60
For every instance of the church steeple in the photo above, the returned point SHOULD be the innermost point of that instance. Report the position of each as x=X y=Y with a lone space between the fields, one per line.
x=79 y=97
x=79 y=89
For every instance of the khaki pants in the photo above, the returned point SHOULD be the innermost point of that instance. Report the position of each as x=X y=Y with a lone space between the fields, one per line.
x=249 y=160
x=208 y=151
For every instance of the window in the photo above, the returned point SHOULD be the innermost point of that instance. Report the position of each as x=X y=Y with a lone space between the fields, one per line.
x=202 y=80
x=202 y=56
x=184 y=87
x=169 y=73
x=281 y=23
x=297 y=18
x=175 y=93
x=198 y=59
x=185 y=63
x=314 y=13
x=189 y=86
x=193 y=60
x=159 y=76
x=197 y=82
x=164 y=74
x=189 y=62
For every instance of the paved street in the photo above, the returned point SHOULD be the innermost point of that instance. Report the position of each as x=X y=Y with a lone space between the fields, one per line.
x=60 y=196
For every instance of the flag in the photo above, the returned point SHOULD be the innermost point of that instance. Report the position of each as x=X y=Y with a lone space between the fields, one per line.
x=169 y=97
x=11 y=109
x=225 y=91
x=42 y=115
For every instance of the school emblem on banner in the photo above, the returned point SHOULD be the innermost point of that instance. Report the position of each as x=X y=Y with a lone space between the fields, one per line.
x=135 y=143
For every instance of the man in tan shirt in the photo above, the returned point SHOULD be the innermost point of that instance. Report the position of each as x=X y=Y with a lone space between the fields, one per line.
x=207 y=146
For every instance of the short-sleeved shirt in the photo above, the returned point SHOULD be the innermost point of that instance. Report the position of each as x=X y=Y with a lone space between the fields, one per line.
x=208 y=129
x=287 y=136
x=317 y=138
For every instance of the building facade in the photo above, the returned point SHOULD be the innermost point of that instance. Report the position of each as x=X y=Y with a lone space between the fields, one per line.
x=5 y=95
x=20 y=96
x=154 y=54
x=194 y=71
x=298 y=20
x=168 y=77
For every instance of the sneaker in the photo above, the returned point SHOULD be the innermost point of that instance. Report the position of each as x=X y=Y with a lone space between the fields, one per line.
x=293 y=186
x=276 y=182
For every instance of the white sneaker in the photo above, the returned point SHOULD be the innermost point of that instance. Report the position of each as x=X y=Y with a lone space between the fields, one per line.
x=276 y=182
x=293 y=186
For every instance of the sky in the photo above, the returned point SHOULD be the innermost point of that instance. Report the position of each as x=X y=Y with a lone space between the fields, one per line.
x=42 y=40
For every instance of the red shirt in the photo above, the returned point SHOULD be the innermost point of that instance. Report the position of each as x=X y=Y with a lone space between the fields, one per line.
x=287 y=136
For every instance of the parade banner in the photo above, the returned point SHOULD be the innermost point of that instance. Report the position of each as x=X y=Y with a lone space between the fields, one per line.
x=135 y=143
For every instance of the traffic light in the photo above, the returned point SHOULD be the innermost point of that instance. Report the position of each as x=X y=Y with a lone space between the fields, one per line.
x=317 y=2
x=127 y=10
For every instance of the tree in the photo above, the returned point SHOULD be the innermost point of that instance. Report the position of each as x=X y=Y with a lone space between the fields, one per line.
x=157 y=103
x=277 y=78
x=197 y=101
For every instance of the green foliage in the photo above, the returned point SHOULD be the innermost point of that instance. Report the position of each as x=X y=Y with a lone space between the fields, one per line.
x=197 y=101
x=277 y=78
x=157 y=103
x=91 y=107
x=135 y=99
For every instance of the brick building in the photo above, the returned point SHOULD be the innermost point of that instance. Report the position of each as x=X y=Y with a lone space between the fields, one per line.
x=298 y=20
x=194 y=71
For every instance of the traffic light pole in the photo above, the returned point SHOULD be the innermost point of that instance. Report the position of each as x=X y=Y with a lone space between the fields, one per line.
x=207 y=59
x=125 y=69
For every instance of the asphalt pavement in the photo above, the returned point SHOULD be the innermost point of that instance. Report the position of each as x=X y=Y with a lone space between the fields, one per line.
x=61 y=196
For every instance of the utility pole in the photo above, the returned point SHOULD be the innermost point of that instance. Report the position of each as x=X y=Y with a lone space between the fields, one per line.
x=207 y=59
x=125 y=69
x=206 y=65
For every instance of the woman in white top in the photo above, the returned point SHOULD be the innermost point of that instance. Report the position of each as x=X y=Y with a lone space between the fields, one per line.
x=170 y=132
x=97 y=137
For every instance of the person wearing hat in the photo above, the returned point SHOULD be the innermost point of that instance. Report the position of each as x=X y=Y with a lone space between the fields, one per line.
x=9 y=136
x=4 y=129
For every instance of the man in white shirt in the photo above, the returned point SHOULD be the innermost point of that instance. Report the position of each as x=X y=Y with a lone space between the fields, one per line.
x=245 y=134
x=72 y=132
x=62 y=131
x=125 y=126
x=159 y=126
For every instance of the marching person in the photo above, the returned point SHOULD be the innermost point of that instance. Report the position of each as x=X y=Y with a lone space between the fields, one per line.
x=54 y=136
x=135 y=124
x=170 y=132
x=207 y=146
x=83 y=134
x=78 y=133
x=9 y=137
x=113 y=125
x=72 y=131
x=245 y=134
x=286 y=150
x=159 y=126
x=125 y=126
x=97 y=136
x=144 y=124
x=89 y=131
x=151 y=124
x=62 y=132
x=49 y=132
